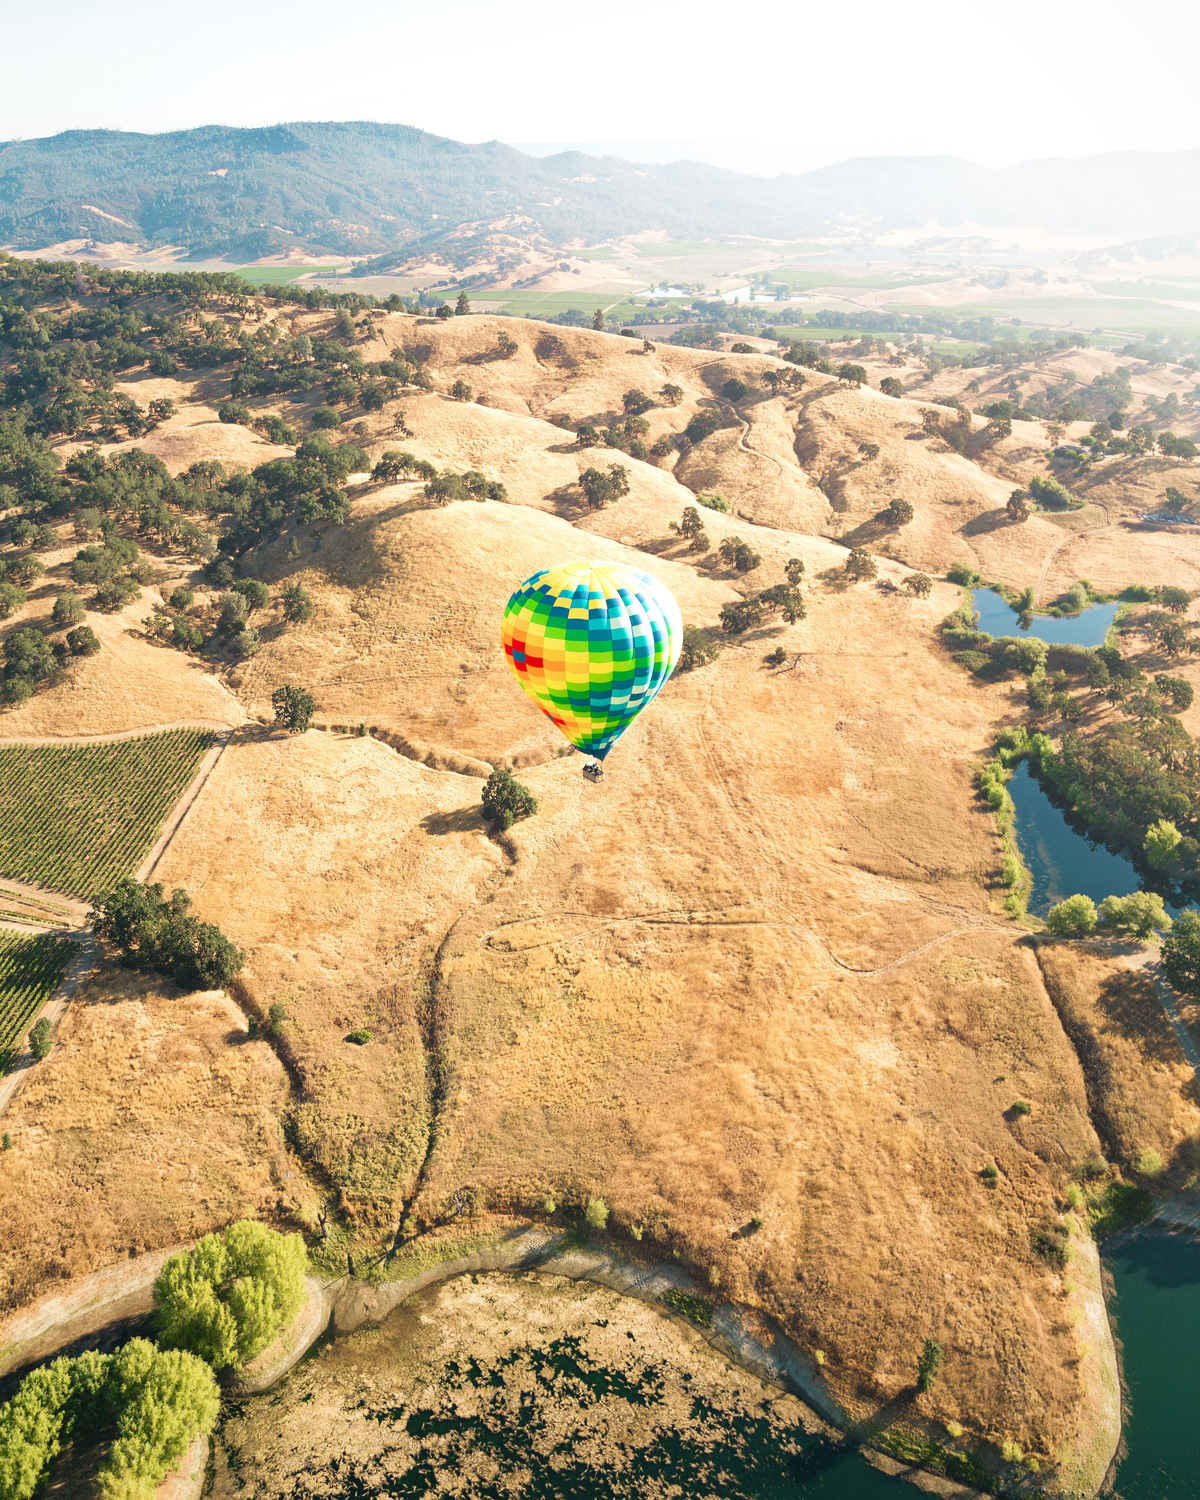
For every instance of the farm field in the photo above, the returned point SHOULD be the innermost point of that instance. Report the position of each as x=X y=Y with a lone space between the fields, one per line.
x=1132 y=314
x=30 y=968
x=77 y=817
x=281 y=275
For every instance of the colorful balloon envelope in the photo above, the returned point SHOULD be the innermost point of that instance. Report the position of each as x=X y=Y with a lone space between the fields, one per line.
x=592 y=643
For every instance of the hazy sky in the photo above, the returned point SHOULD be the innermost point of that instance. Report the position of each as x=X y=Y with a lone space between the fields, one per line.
x=778 y=86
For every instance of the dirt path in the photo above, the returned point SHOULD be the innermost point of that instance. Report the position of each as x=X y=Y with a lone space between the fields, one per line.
x=125 y=734
x=757 y=452
x=83 y=964
x=181 y=809
x=1166 y=994
x=1070 y=536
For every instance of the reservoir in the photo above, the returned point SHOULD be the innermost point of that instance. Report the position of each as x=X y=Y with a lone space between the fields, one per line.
x=1088 y=628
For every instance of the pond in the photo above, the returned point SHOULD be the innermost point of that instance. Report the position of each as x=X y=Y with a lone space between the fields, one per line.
x=1062 y=860
x=494 y=1385
x=1157 y=1278
x=1088 y=628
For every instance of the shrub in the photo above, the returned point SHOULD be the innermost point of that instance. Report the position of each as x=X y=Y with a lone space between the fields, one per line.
x=735 y=553
x=962 y=573
x=1021 y=1108
x=68 y=610
x=596 y=1213
x=1051 y=1241
x=735 y=618
x=1075 y=917
x=1150 y=1162
x=297 y=605
x=897 y=513
x=360 y=1038
x=294 y=708
x=702 y=425
x=227 y=1299
x=39 y=1039
x=25 y=570
x=1011 y=1452
x=713 y=502
x=254 y=592
x=151 y=1403
x=181 y=599
x=929 y=1365
x=1074 y=1195
x=1138 y=916
x=151 y=933
x=990 y=1174
x=11 y=597
x=697 y=650
x=735 y=390
x=860 y=564
x=601 y=489
x=1161 y=841
x=505 y=800
x=698 y=1309
x=1052 y=495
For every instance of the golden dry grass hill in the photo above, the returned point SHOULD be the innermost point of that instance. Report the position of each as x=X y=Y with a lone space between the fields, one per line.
x=758 y=990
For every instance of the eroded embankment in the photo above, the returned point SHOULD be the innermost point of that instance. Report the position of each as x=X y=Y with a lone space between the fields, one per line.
x=741 y=1335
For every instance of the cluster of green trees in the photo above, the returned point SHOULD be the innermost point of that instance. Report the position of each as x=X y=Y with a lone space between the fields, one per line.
x=469 y=486
x=783 y=598
x=1138 y=916
x=153 y=1401
x=152 y=933
x=229 y=1298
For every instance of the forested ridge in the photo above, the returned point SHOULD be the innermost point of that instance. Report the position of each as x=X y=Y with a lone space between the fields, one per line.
x=366 y=188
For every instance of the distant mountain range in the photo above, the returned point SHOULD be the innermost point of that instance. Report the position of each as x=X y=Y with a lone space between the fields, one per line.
x=357 y=188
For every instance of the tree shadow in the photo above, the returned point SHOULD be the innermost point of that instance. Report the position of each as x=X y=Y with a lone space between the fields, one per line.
x=1129 y=1003
x=991 y=520
x=461 y=820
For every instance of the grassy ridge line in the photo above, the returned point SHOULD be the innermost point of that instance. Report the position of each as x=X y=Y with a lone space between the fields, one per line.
x=77 y=817
x=30 y=970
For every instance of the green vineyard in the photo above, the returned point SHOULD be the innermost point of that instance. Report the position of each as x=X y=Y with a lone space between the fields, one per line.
x=75 y=818
x=30 y=968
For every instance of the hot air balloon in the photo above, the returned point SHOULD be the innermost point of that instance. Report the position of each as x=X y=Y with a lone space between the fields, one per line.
x=592 y=643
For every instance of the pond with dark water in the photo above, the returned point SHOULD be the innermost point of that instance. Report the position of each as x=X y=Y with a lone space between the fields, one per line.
x=998 y=617
x=1157 y=1277
x=1062 y=860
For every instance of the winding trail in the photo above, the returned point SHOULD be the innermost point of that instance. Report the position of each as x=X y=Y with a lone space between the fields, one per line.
x=1070 y=536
